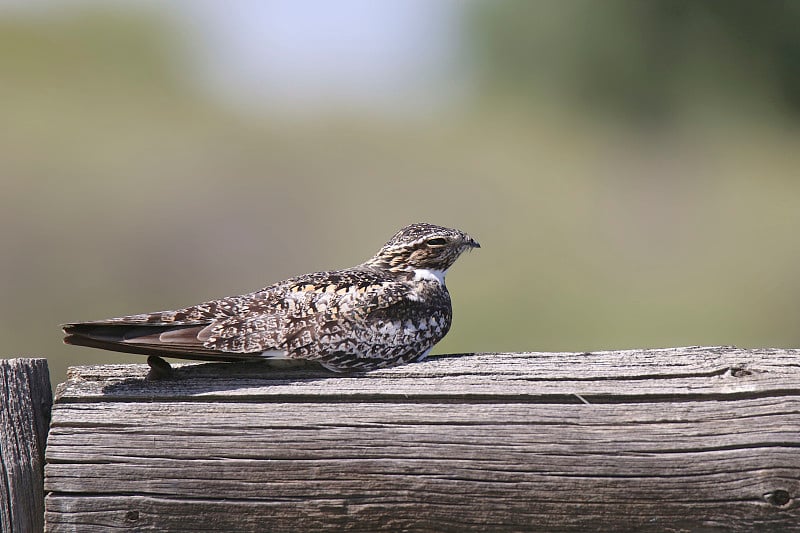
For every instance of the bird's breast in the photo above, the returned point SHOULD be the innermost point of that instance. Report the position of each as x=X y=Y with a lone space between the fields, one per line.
x=430 y=293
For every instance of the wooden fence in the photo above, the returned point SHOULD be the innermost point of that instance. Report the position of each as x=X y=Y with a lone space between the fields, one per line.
x=25 y=400
x=683 y=439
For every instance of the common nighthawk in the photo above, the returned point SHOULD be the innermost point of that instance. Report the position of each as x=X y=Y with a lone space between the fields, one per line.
x=387 y=311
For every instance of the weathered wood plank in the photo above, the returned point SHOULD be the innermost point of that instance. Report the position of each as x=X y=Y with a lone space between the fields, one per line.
x=682 y=439
x=576 y=513
x=670 y=373
x=25 y=400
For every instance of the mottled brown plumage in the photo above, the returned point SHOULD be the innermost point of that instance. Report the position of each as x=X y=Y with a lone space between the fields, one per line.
x=387 y=311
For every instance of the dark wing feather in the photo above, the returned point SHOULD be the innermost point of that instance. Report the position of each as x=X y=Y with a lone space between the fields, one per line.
x=175 y=340
x=184 y=333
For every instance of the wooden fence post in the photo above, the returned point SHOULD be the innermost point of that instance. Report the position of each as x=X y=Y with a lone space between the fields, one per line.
x=679 y=439
x=25 y=400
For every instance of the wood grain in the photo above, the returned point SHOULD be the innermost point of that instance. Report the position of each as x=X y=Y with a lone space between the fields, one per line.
x=25 y=400
x=682 y=439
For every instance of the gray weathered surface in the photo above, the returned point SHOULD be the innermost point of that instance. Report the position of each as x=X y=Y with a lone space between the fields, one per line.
x=680 y=439
x=25 y=400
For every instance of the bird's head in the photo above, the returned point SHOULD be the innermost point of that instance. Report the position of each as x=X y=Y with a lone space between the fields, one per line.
x=424 y=249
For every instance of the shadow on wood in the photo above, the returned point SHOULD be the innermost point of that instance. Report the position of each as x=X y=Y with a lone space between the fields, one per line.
x=25 y=399
x=675 y=439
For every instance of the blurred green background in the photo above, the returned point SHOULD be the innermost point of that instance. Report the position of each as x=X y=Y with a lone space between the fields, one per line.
x=630 y=168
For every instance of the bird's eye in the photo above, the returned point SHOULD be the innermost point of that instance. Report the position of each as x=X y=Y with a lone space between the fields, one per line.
x=436 y=241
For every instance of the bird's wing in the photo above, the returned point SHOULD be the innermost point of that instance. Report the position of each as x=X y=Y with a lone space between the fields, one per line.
x=233 y=328
x=304 y=316
x=180 y=334
x=363 y=324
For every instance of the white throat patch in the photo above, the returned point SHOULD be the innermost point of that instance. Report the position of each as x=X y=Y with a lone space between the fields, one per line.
x=429 y=274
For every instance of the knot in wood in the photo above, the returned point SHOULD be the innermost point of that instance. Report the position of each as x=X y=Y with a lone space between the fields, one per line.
x=778 y=498
x=740 y=372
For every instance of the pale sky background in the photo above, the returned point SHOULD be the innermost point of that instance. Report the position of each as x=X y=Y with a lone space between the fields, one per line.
x=355 y=53
x=381 y=57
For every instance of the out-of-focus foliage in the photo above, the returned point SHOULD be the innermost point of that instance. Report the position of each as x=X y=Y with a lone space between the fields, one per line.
x=126 y=188
x=649 y=60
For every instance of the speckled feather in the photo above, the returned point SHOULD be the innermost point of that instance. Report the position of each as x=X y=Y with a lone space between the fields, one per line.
x=384 y=312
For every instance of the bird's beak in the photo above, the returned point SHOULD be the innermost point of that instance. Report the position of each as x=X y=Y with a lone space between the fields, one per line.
x=472 y=243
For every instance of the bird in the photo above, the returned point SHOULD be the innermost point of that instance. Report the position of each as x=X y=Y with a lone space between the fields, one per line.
x=387 y=311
